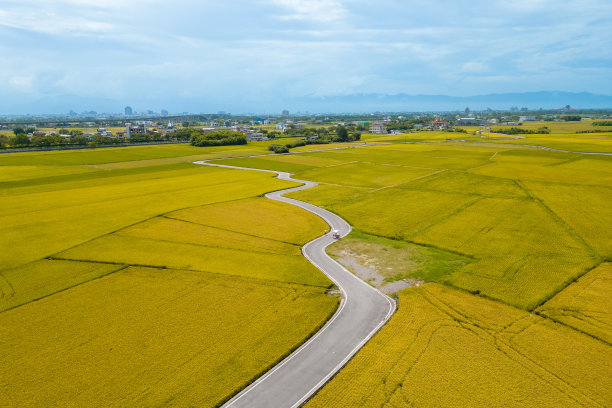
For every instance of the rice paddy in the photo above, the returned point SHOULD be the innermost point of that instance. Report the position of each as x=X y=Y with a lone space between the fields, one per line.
x=182 y=250
x=585 y=305
x=530 y=218
x=531 y=222
x=448 y=348
x=150 y=337
x=140 y=282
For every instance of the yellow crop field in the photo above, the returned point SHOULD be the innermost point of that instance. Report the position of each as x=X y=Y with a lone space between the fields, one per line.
x=555 y=174
x=525 y=254
x=584 y=142
x=407 y=155
x=399 y=212
x=258 y=216
x=447 y=348
x=173 y=230
x=102 y=328
x=128 y=154
x=423 y=135
x=291 y=163
x=44 y=223
x=586 y=210
x=144 y=337
x=532 y=218
x=154 y=263
x=585 y=305
x=468 y=183
x=249 y=237
x=264 y=163
x=365 y=175
x=571 y=136
x=303 y=159
x=42 y=278
x=324 y=195
x=164 y=254
x=14 y=173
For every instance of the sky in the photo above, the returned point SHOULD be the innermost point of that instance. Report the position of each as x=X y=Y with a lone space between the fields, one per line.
x=201 y=55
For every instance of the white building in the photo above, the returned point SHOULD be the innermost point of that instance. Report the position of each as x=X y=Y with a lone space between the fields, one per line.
x=255 y=137
x=378 y=127
x=469 y=122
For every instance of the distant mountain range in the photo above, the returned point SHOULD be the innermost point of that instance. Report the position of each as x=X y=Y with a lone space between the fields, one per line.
x=425 y=103
x=357 y=103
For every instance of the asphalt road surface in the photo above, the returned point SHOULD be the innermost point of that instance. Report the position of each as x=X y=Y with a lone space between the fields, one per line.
x=362 y=312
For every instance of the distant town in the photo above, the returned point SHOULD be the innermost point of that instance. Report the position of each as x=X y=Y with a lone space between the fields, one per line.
x=131 y=127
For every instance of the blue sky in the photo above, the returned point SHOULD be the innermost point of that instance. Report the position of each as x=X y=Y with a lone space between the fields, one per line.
x=216 y=55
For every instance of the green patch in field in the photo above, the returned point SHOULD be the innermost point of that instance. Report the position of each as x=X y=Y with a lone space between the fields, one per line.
x=391 y=260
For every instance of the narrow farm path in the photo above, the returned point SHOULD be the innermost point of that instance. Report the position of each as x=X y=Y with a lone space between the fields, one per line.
x=362 y=312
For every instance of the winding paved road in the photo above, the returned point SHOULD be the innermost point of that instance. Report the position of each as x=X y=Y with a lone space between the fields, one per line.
x=362 y=312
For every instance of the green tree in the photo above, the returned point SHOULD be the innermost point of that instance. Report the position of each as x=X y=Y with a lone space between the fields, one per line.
x=19 y=131
x=342 y=134
x=21 y=139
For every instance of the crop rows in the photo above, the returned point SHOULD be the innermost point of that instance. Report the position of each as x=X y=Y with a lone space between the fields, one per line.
x=143 y=337
x=586 y=304
x=447 y=348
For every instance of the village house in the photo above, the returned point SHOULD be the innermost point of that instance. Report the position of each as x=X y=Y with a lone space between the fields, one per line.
x=378 y=128
x=439 y=124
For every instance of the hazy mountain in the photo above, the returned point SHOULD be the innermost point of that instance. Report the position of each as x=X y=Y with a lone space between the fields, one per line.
x=417 y=103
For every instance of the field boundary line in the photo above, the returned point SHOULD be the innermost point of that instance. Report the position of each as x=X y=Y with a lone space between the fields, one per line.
x=408 y=181
x=227 y=230
x=557 y=218
x=123 y=266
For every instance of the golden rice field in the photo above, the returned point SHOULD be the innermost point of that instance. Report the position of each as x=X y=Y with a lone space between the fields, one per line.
x=45 y=277
x=71 y=212
x=568 y=136
x=247 y=237
x=149 y=337
x=531 y=218
x=447 y=348
x=534 y=222
x=585 y=305
x=184 y=251
x=135 y=278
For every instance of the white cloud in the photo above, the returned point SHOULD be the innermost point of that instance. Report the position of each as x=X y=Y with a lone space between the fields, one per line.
x=288 y=48
x=322 y=11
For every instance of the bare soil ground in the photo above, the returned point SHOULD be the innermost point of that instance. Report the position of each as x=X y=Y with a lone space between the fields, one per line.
x=366 y=269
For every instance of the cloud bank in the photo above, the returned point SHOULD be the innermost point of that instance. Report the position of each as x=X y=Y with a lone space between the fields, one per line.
x=184 y=54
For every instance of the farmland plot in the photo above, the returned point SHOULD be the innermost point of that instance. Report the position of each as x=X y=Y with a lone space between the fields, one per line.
x=447 y=348
x=585 y=304
x=102 y=328
x=144 y=337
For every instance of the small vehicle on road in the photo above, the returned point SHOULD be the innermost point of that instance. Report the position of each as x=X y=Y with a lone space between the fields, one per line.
x=335 y=234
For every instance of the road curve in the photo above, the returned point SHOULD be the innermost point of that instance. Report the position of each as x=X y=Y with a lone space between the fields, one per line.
x=363 y=310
